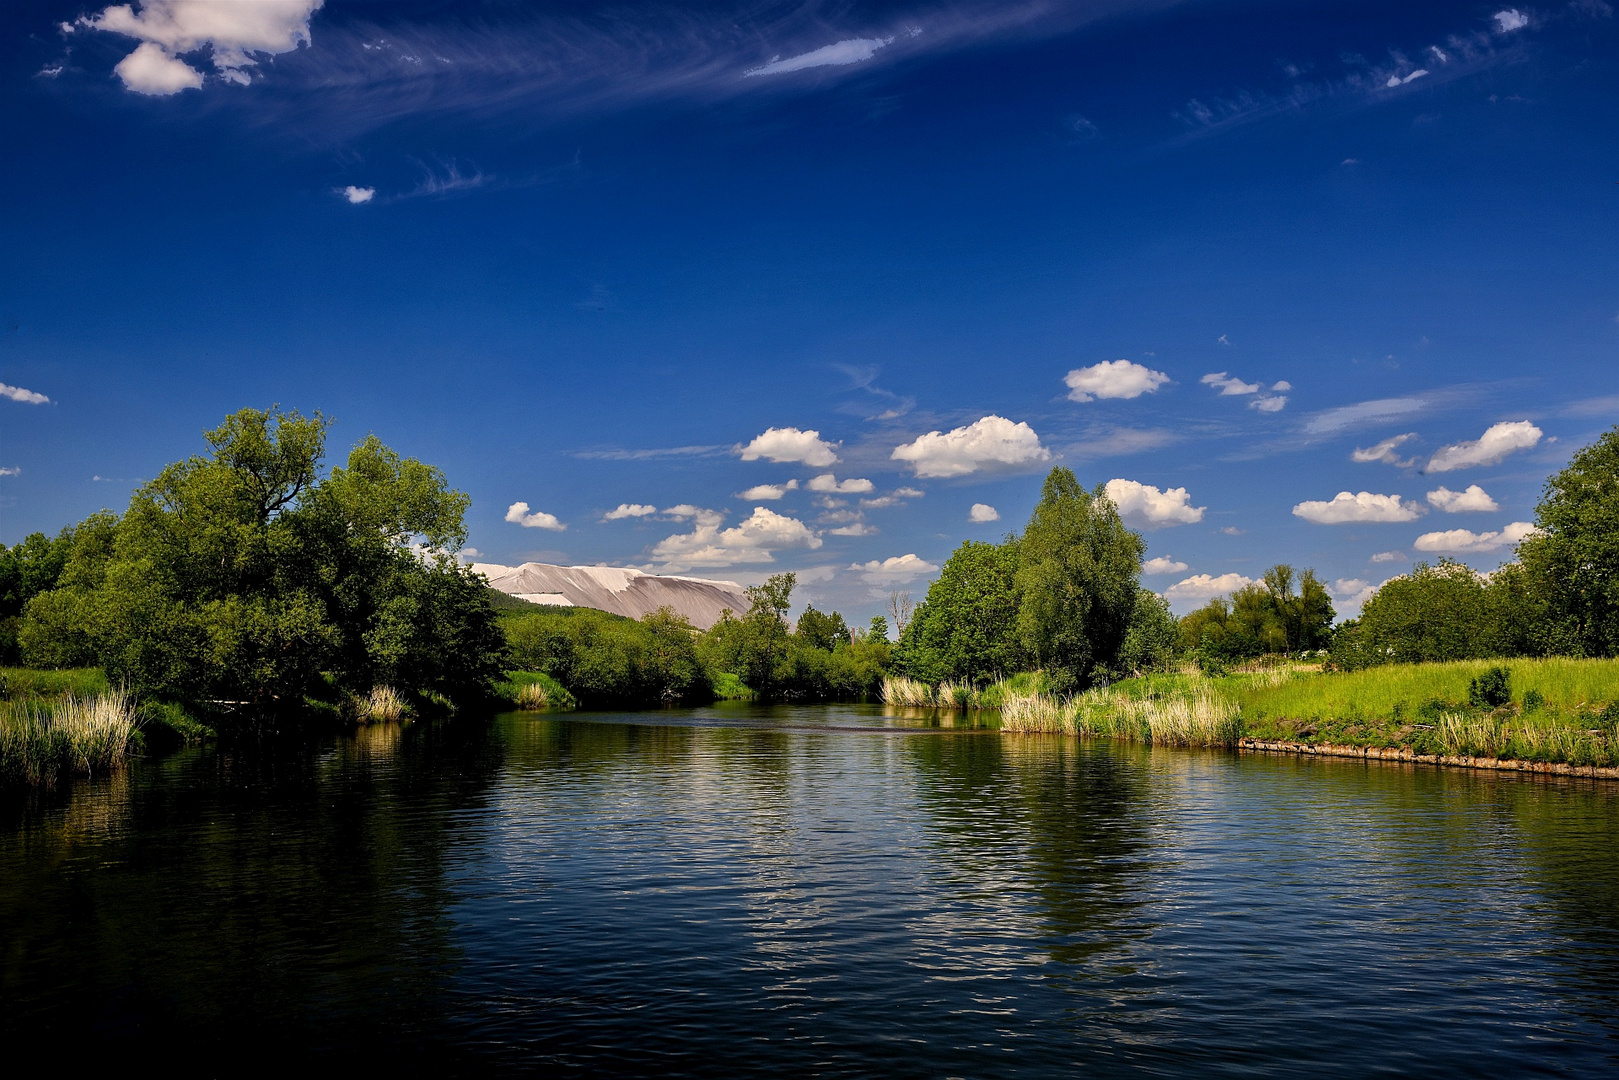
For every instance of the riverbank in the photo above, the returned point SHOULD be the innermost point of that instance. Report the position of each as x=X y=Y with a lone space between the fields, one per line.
x=1533 y=712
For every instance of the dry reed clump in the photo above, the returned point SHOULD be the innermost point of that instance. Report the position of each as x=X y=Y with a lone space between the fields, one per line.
x=899 y=690
x=1200 y=717
x=41 y=741
x=1517 y=738
x=533 y=695
x=384 y=705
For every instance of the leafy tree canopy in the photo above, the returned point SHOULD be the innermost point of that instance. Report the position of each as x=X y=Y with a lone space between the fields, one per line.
x=1573 y=562
x=967 y=625
x=1078 y=579
x=244 y=576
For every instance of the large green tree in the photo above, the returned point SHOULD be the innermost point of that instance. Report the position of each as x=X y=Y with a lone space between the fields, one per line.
x=1573 y=561
x=1078 y=580
x=967 y=625
x=245 y=576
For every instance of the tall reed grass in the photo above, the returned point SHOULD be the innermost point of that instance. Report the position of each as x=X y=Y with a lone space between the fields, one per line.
x=1195 y=716
x=42 y=741
x=383 y=705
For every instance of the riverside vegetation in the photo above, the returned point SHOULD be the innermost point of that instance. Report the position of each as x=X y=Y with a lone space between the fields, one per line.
x=249 y=592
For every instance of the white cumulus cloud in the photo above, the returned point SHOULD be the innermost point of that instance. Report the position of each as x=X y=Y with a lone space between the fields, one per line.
x=232 y=32
x=1457 y=502
x=151 y=71
x=754 y=540
x=27 y=397
x=1163 y=564
x=1488 y=449
x=1113 y=379
x=1385 y=451
x=1388 y=556
x=1351 y=594
x=1146 y=505
x=1465 y=541
x=519 y=514
x=1345 y=508
x=358 y=195
x=859 y=528
x=768 y=491
x=629 y=510
x=1205 y=587
x=826 y=482
x=791 y=444
x=849 y=51
x=1228 y=385
x=1509 y=20
x=900 y=568
x=1270 y=403
x=993 y=440
x=983 y=513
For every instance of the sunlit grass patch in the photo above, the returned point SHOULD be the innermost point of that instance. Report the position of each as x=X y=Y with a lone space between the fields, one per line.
x=532 y=690
x=42 y=741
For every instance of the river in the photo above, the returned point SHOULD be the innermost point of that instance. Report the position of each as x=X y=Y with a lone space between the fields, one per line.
x=826 y=891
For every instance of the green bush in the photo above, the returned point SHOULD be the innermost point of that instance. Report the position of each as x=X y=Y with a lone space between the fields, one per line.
x=1491 y=689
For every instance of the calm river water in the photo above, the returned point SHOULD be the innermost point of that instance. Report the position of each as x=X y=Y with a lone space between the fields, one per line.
x=820 y=891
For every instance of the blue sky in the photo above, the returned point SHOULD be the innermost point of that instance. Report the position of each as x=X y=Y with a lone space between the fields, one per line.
x=617 y=262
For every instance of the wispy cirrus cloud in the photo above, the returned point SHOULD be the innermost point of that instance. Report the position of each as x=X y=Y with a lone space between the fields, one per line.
x=1363 y=84
x=366 y=67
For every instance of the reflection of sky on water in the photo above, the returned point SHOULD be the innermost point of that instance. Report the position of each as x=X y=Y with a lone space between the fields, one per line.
x=841 y=890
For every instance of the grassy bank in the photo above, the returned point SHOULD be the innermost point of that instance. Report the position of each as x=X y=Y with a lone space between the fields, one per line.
x=43 y=740
x=1554 y=710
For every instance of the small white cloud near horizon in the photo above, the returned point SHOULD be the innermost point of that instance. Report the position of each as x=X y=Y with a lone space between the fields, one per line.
x=1384 y=452
x=859 y=528
x=1227 y=385
x=1460 y=502
x=894 y=498
x=992 y=440
x=1364 y=507
x=168 y=29
x=1350 y=595
x=26 y=397
x=1146 y=505
x=1269 y=401
x=1465 y=541
x=893 y=571
x=519 y=514
x=357 y=195
x=10 y=470
x=982 y=514
x=826 y=482
x=1206 y=587
x=848 y=51
x=768 y=491
x=629 y=510
x=1162 y=564
x=1388 y=556
x=1508 y=20
x=789 y=444
x=1490 y=448
x=754 y=540
x=1120 y=379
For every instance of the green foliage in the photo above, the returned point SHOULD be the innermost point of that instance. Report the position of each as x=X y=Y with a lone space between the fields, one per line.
x=1490 y=689
x=1077 y=579
x=244 y=576
x=1574 y=560
x=1269 y=616
x=1444 y=612
x=1152 y=641
x=878 y=631
x=819 y=630
x=1534 y=701
x=607 y=660
x=966 y=628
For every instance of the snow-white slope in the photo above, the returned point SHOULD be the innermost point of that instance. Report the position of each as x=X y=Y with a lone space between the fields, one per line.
x=618 y=590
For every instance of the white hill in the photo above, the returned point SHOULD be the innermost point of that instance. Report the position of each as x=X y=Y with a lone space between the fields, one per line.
x=618 y=590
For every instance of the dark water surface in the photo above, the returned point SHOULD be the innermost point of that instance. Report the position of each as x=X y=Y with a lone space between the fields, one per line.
x=822 y=891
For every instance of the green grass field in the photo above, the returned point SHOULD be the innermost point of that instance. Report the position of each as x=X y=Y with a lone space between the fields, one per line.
x=1560 y=710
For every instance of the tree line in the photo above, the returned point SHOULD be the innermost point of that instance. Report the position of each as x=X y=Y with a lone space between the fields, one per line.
x=251 y=581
